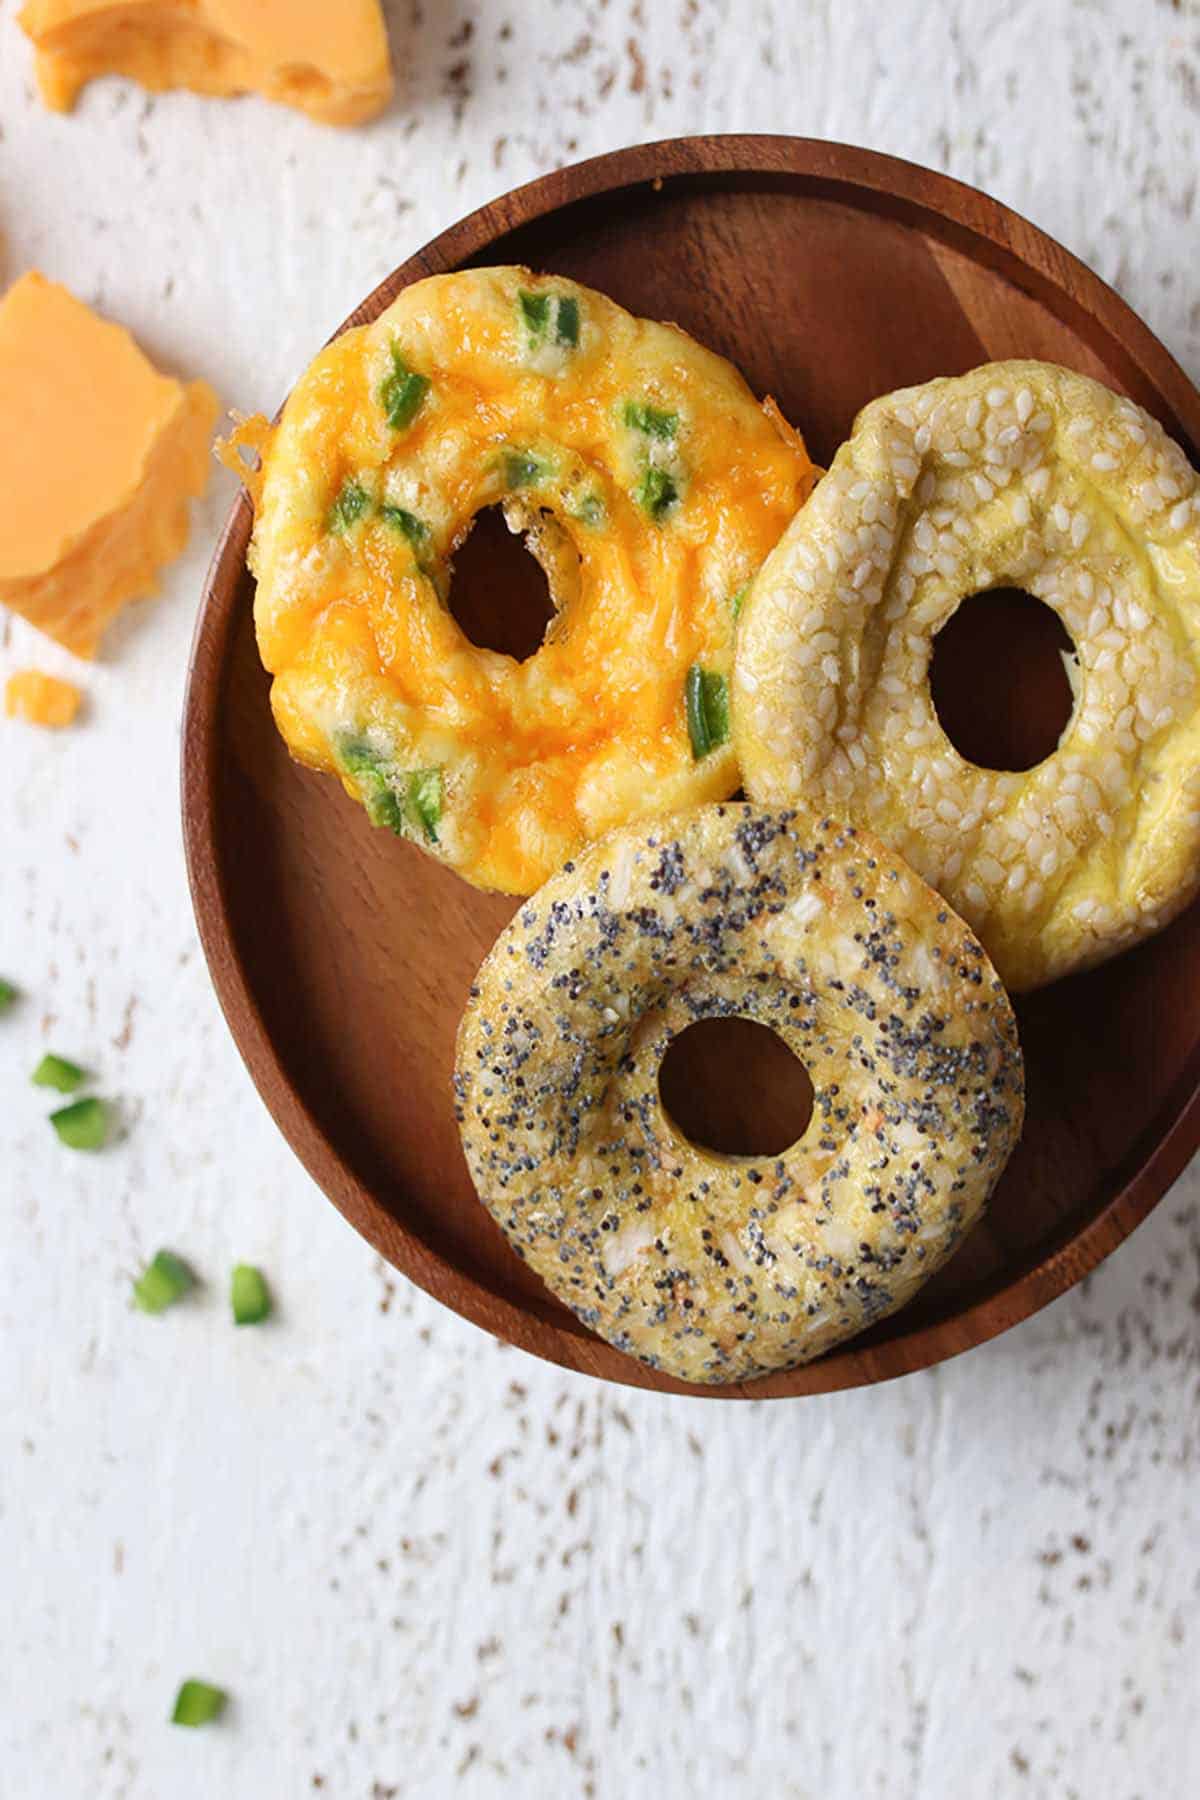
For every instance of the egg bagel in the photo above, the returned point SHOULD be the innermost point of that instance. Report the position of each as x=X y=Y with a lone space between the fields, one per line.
x=650 y=484
x=1021 y=474
x=717 y=1268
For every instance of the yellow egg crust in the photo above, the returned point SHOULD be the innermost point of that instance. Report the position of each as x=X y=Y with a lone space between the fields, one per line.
x=650 y=483
x=718 y=1268
x=1018 y=474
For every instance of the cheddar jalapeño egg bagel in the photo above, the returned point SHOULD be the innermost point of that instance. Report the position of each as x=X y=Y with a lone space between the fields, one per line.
x=650 y=484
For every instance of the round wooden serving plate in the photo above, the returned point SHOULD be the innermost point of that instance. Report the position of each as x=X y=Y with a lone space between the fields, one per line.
x=342 y=956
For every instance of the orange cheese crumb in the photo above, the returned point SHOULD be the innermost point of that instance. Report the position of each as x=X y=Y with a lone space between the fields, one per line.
x=328 y=59
x=254 y=434
x=41 y=699
x=98 y=457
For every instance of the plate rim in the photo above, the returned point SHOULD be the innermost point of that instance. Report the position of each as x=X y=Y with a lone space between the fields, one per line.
x=898 y=186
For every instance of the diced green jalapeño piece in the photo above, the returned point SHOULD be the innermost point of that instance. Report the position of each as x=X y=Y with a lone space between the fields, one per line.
x=535 y=311
x=402 y=392
x=83 y=1125
x=425 y=798
x=522 y=468
x=366 y=765
x=198 y=1703
x=656 y=493
x=249 y=1295
x=652 y=421
x=351 y=503
x=382 y=806
x=356 y=756
x=406 y=523
x=56 y=1072
x=405 y=801
x=589 y=510
x=706 y=703
x=550 y=318
x=566 y=320
x=162 y=1282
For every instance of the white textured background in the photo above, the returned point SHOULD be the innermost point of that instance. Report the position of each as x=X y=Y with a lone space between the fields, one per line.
x=424 y=1565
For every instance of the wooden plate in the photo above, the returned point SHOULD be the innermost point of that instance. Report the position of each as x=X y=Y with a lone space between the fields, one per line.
x=342 y=957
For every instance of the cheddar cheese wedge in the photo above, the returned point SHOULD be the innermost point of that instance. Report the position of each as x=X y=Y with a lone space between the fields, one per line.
x=99 y=456
x=329 y=60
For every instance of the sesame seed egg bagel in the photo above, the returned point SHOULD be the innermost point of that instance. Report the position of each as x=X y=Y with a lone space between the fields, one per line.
x=717 y=1268
x=649 y=483
x=1020 y=474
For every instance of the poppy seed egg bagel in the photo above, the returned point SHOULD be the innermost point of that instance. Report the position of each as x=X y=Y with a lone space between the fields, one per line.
x=716 y=1268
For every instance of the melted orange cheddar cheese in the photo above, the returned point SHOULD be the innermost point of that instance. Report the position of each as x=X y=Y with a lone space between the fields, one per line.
x=650 y=485
x=41 y=699
x=98 y=457
x=329 y=60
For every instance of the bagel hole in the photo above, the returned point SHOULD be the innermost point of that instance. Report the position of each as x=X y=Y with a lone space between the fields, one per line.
x=499 y=594
x=733 y=1085
x=1000 y=690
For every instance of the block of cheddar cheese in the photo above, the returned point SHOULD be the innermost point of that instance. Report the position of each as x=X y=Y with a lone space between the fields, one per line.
x=329 y=58
x=99 y=455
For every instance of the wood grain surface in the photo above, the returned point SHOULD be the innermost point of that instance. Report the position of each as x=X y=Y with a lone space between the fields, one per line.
x=342 y=957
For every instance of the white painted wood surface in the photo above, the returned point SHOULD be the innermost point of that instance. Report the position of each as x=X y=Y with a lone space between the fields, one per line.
x=424 y=1565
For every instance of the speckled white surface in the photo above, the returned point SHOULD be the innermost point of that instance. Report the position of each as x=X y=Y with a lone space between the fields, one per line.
x=422 y=1564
